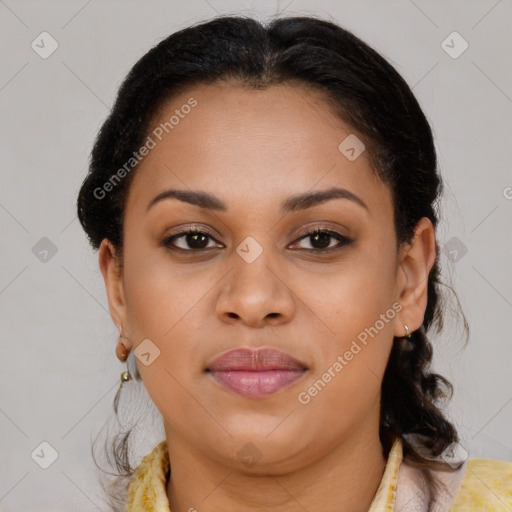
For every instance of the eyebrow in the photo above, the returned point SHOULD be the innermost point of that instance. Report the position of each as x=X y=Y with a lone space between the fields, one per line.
x=292 y=204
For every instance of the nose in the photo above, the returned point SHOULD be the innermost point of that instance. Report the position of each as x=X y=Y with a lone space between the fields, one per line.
x=255 y=294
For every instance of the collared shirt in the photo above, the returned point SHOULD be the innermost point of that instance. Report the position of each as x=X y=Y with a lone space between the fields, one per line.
x=476 y=485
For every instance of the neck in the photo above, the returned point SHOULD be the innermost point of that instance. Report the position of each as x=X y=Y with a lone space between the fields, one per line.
x=346 y=478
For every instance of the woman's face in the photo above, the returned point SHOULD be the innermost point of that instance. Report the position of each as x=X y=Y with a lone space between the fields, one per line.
x=252 y=279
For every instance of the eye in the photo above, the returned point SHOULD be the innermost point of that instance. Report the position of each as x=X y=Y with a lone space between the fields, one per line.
x=320 y=240
x=193 y=240
x=196 y=240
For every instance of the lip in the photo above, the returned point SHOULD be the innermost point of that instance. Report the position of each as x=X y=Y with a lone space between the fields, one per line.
x=256 y=373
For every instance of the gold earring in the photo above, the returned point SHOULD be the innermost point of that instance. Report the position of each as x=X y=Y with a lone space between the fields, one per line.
x=407 y=333
x=125 y=377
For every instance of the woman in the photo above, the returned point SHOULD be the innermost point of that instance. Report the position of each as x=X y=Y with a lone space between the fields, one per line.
x=264 y=204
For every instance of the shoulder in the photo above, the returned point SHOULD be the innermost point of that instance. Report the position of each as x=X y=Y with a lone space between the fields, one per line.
x=486 y=486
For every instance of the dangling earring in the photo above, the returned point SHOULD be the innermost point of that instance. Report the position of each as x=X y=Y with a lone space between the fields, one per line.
x=407 y=333
x=122 y=354
x=125 y=377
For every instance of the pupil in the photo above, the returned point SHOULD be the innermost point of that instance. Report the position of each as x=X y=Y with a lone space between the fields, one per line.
x=324 y=237
x=192 y=240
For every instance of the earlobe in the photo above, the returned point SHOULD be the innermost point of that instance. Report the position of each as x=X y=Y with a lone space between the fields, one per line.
x=416 y=261
x=112 y=276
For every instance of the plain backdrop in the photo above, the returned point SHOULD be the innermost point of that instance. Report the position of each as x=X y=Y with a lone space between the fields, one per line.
x=58 y=371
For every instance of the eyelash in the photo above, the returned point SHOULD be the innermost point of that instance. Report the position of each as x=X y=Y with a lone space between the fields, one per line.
x=343 y=240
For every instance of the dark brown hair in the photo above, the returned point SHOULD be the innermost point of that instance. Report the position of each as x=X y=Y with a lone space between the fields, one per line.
x=365 y=91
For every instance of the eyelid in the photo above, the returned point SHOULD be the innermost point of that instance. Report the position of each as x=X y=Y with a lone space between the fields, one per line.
x=319 y=226
x=200 y=229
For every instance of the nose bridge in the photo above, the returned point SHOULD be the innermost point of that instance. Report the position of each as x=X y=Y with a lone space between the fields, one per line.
x=252 y=263
x=253 y=291
x=250 y=250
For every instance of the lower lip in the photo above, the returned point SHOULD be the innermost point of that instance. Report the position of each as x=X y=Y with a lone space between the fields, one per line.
x=257 y=384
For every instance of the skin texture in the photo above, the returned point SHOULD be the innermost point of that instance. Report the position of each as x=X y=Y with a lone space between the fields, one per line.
x=253 y=149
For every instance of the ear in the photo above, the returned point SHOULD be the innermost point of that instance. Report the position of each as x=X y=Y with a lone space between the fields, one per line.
x=416 y=261
x=112 y=275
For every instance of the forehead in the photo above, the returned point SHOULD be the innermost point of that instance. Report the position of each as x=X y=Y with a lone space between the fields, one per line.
x=241 y=143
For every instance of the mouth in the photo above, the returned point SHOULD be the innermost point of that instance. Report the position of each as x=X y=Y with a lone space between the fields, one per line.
x=256 y=373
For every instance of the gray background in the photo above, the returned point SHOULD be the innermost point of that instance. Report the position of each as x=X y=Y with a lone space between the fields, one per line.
x=58 y=370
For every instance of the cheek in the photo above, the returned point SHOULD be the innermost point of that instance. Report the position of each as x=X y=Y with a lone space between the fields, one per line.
x=346 y=381
x=358 y=307
x=157 y=294
x=166 y=305
x=353 y=296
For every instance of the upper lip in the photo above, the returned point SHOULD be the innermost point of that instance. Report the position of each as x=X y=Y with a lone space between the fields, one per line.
x=249 y=359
